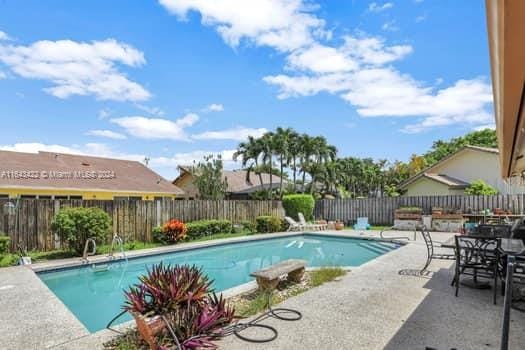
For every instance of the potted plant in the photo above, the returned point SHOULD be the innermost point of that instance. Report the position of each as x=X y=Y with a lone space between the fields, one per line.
x=180 y=297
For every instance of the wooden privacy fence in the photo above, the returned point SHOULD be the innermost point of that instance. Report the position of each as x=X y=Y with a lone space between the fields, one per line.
x=380 y=211
x=133 y=220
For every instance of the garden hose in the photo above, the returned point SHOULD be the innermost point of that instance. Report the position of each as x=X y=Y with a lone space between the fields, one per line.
x=271 y=312
x=238 y=327
x=110 y=323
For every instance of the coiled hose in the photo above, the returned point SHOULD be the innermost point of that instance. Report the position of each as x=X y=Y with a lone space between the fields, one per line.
x=238 y=327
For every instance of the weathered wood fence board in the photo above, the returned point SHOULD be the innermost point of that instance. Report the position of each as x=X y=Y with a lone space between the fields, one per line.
x=133 y=220
x=380 y=211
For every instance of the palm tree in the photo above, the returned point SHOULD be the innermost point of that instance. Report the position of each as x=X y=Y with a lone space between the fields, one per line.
x=307 y=146
x=323 y=153
x=266 y=144
x=250 y=151
x=281 y=143
x=294 y=151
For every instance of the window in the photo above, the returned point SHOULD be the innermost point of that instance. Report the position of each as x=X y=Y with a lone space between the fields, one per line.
x=60 y=197
x=4 y=196
x=75 y=197
x=135 y=198
x=27 y=196
x=44 y=197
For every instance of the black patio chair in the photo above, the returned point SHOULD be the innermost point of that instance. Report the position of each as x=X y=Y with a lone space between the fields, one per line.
x=477 y=256
x=430 y=249
x=500 y=230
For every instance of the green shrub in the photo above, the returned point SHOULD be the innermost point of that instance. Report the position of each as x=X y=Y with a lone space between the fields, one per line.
x=4 y=244
x=248 y=226
x=201 y=228
x=480 y=187
x=76 y=225
x=158 y=235
x=299 y=203
x=268 y=224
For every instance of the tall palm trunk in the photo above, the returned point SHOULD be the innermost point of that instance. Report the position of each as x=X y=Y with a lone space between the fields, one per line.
x=281 y=181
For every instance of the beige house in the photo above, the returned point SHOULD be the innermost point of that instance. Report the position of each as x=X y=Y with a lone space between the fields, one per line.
x=453 y=174
x=239 y=187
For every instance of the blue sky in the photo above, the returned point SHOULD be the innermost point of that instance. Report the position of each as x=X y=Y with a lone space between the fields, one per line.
x=174 y=80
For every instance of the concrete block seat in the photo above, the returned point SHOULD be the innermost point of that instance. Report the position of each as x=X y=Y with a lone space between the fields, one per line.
x=268 y=278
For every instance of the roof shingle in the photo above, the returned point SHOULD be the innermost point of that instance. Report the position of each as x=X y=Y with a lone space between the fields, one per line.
x=127 y=176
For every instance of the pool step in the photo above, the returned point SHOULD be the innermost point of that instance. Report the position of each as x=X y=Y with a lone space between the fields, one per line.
x=374 y=247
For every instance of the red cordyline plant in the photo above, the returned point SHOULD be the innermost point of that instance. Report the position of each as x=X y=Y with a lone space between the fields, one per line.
x=183 y=295
x=174 y=231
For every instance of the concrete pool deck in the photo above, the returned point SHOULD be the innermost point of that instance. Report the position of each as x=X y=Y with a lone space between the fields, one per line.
x=372 y=307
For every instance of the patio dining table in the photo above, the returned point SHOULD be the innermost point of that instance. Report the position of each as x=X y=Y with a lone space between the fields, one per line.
x=508 y=246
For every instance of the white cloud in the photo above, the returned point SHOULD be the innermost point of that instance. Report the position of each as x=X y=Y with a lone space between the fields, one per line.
x=282 y=24
x=78 y=68
x=106 y=133
x=238 y=134
x=384 y=92
x=189 y=158
x=3 y=75
x=305 y=85
x=151 y=110
x=157 y=128
x=390 y=26
x=104 y=113
x=374 y=7
x=214 y=107
x=4 y=36
x=354 y=54
x=322 y=59
x=486 y=126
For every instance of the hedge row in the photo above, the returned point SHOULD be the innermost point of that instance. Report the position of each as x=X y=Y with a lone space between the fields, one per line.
x=294 y=204
x=201 y=228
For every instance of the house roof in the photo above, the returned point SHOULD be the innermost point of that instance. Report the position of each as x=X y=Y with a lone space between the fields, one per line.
x=447 y=180
x=429 y=169
x=47 y=170
x=237 y=180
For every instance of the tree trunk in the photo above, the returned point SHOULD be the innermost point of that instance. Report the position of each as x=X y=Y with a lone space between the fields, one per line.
x=281 y=180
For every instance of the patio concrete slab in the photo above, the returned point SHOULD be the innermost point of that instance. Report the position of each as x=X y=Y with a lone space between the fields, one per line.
x=376 y=307
x=31 y=316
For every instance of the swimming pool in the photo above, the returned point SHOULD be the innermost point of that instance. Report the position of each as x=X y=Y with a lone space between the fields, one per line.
x=96 y=297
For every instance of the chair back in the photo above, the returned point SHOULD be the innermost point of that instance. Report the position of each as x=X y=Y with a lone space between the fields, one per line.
x=503 y=231
x=479 y=250
x=484 y=231
x=362 y=223
x=428 y=240
x=290 y=221
x=301 y=218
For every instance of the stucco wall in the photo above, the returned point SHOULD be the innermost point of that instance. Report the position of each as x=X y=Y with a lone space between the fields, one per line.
x=470 y=165
x=427 y=187
x=185 y=183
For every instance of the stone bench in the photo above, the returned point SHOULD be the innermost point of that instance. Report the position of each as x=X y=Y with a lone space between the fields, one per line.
x=268 y=278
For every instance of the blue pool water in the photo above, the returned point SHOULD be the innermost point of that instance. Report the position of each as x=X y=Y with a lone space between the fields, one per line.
x=96 y=297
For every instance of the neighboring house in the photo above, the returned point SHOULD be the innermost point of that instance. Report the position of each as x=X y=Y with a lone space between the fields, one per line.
x=238 y=185
x=453 y=174
x=66 y=176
